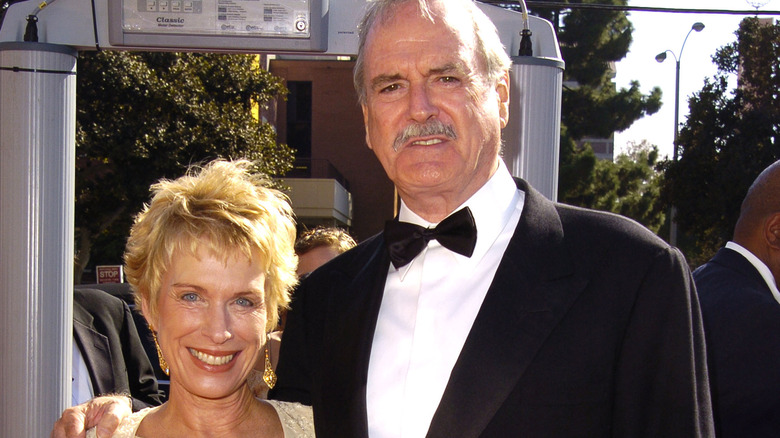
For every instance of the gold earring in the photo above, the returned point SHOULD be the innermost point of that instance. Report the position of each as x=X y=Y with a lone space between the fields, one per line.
x=269 y=376
x=163 y=363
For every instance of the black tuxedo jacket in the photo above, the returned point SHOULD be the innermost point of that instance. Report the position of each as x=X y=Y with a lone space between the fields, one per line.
x=106 y=335
x=590 y=328
x=742 y=329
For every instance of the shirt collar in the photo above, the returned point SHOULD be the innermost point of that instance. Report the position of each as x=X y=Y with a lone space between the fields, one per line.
x=760 y=266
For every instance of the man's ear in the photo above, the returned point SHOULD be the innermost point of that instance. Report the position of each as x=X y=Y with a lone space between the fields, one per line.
x=365 y=125
x=502 y=90
x=772 y=231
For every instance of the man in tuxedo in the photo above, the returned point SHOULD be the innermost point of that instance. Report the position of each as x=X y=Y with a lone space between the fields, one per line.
x=740 y=306
x=517 y=316
x=558 y=322
x=109 y=357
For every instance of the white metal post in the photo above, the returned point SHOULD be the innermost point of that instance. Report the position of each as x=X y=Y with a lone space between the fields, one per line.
x=37 y=166
x=533 y=135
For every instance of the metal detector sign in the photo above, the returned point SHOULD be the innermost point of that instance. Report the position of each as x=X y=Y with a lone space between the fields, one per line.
x=279 y=18
x=251 y=26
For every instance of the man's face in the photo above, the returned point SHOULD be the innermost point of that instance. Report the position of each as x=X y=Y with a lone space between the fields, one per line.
x=427 y=75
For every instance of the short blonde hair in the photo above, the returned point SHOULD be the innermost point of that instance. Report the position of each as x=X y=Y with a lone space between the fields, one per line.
x=234 y=210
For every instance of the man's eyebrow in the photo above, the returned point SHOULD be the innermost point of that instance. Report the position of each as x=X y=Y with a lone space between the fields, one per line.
x=383 y=79
x=448 y=68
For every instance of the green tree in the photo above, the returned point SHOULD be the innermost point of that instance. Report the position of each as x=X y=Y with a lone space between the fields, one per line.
x=142 y=116
x=591 y=42
x=629 y=186
x=728 y=138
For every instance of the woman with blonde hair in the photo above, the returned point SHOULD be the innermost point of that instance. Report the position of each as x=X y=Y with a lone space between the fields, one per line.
x=211 y=261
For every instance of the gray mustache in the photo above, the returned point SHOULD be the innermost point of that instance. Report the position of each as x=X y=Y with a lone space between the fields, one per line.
x=432 y=127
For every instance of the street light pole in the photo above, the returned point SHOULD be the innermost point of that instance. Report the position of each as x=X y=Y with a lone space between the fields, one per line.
x=698 y=26
x=676 y=151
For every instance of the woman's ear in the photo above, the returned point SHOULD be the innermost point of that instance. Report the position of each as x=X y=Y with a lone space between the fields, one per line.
x=146 y=311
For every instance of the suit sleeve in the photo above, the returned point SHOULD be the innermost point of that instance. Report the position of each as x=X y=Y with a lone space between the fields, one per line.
x=140 y=374
x=662 y=387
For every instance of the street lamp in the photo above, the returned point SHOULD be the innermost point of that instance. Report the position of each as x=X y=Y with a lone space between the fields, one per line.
x=698 y=26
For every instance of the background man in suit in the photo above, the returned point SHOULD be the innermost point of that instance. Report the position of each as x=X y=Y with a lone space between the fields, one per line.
x=519 y=316
x=741 y=309
x=110 y=358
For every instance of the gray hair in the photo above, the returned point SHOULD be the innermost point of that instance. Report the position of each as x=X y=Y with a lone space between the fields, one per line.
x=488 y=44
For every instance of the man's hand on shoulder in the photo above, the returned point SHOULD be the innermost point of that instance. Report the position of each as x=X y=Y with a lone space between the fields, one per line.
x=104 y=412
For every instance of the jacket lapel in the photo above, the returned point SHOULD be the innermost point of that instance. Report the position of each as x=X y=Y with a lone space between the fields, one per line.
x=531 y=291
x=94 y=350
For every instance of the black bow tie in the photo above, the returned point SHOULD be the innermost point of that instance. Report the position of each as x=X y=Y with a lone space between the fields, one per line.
x=457 y=233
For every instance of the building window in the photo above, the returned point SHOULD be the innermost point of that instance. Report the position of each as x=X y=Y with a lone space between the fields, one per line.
x=299 y=118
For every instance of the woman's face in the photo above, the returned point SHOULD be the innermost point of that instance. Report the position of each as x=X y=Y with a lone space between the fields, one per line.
x=211 y=321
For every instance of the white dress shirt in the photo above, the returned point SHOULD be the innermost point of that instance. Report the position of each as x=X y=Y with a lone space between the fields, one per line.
x=427 y=311
x=82 y=384
x=762 y=268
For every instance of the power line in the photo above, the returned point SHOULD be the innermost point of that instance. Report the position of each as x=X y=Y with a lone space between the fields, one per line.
x=596 y=6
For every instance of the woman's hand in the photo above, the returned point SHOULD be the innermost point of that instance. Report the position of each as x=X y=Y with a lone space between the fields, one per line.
x=105 y=413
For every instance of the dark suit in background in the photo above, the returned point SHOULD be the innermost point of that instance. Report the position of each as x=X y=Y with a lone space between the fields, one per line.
x=590 y=328
x=742 y=327
x=106 y=335
x=742 y=316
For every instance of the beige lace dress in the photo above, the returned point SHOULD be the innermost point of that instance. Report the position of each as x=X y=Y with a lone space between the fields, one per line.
x=297 y=421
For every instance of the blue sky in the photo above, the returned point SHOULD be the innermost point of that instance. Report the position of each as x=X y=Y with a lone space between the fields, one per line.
x=655 y=32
